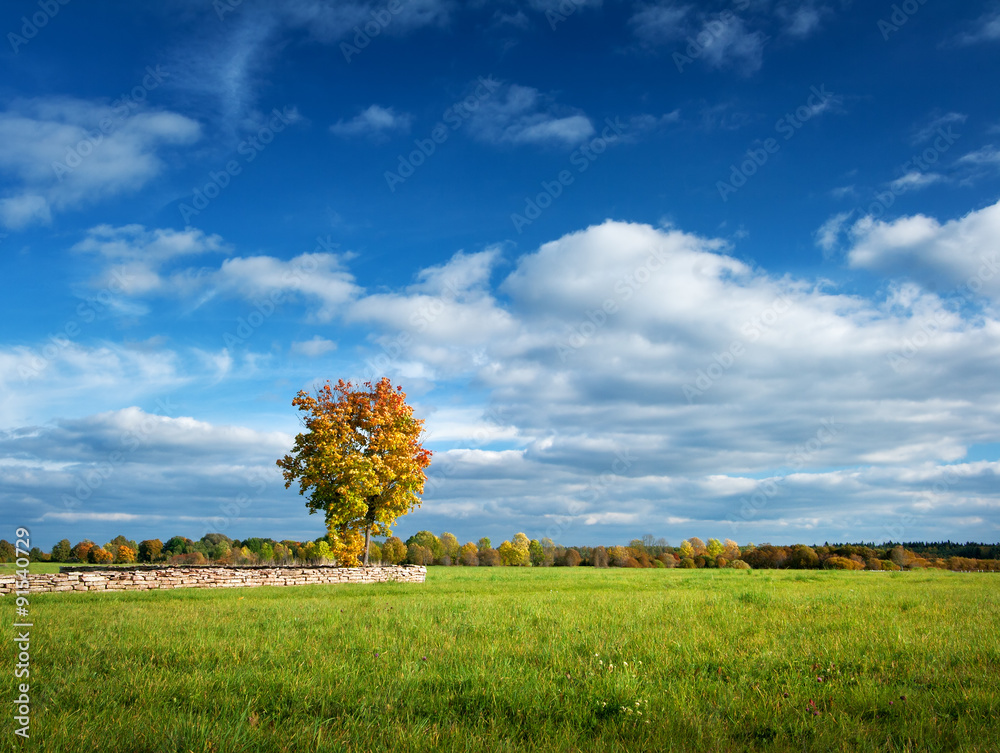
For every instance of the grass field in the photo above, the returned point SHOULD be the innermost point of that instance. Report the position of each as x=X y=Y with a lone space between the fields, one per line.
x=485 y=659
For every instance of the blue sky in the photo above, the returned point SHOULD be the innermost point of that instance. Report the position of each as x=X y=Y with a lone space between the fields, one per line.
x=716 y=269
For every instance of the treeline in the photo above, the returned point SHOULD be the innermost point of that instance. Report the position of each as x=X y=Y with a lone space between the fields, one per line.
x=425 y=548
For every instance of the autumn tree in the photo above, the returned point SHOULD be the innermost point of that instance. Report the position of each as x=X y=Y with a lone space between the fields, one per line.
x=394 y=550
x=360 y=462
x=149 y=550
x=62 y=551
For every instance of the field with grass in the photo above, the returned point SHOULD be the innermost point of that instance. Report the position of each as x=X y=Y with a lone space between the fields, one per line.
x=553 y=659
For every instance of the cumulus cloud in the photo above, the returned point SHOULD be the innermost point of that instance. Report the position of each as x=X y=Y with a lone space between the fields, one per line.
x=624 y=374
x=57 y=156
x=931 y=252
x=985 y=29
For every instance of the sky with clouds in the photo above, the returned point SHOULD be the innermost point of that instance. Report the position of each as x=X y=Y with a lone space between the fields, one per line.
x=723 y=269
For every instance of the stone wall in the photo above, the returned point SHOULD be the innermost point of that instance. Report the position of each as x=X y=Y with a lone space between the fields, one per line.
x=151 y=577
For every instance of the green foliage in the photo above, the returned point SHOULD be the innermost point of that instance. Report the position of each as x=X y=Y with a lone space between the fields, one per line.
x=688 y=563
x=536 y=553
x=7 y=551
x=62 y=551
x=449 y=546
x=484 y=543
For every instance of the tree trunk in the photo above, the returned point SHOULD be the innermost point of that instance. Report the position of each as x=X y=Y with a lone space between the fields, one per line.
x=368 y=540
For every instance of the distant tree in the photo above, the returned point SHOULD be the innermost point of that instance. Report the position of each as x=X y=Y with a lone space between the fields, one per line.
x=571 y=558
x=375 y=554
x=686 y=549
x=714 y=548
x=99 y=555
x=523 y=544
x=667 y=559
x=361 y=462
x=739 y=565
x=484 y=543
x=149 y=550
x=62 y=551
x=7 y=551
x=489 y=557
x=449 y=546
x=510 y=555
x=82 y=549
x=266 y=552
x=841 y=563
x=648 y=541
x=700 y=561
x=120 y=540
x=35 y=554
x=468 y=555
x=638 y=544
x=721 y=561
x=688 y=563
x=394 y=551
x=802 y=557
x=419 y=555
x=176 y=545
x=599 y=557
x=698 y=545
x=732 y=550
x=125 y=555
x=536 y=553
x=428 y=540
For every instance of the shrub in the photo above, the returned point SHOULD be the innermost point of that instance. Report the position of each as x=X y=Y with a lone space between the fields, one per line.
x=668 y=560
x=842 y=563
x=739 y=565
x=419 y=555
x=688 y=563
x=191 y=558
x=659 y=563
x=721 y=561
x=699 y=561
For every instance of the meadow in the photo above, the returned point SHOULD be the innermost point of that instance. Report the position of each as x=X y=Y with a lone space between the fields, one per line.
x=553 y=659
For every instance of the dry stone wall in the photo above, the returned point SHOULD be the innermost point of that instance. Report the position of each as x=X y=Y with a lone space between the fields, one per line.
x=152 y=578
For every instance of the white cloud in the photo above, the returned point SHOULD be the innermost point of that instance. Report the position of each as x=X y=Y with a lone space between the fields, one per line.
x=723 y=40
x=985 y=29
x=936 y=122
x=828 y=235
x=803 y=21
x=58 y=157
x=374 y=122
x=930 y=252
x=522 y=115
x=915 y=180
x=313 y=348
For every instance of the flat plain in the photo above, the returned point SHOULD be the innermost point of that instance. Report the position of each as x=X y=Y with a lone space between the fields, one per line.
x=526 y=659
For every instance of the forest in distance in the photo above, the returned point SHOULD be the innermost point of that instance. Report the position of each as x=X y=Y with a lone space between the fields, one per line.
x=426 y=548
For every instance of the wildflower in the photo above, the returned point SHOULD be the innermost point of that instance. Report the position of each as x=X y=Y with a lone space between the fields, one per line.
x=423 y=658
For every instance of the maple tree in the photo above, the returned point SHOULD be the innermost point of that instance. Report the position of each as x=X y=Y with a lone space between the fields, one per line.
x=360 y=462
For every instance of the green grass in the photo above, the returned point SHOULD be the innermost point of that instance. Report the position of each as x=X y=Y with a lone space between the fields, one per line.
x=511 y=659
x=9 y=568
